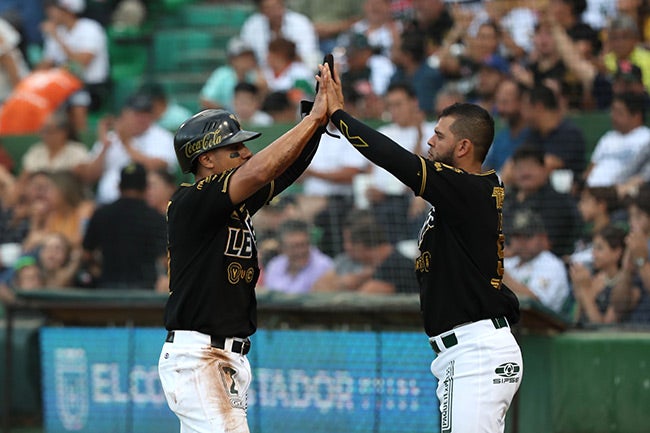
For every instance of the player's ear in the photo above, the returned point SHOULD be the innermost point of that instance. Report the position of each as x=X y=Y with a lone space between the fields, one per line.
x=465 y=146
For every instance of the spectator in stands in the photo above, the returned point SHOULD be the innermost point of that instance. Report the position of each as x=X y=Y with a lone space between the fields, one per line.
x=330 y=19
x=280 y=107
x=433 y=21
x=531 y=189
x=463 y=55
x=28 y=275
x=369 y=263
x=447 y=96
x=273 y=20
x=161 y=184
x=267 y=222
x=629 y=78
x=584 y=82
x=26 y=16
x=80 y=44
x=598 y=206
x=637 y=10
x=248 y=104
x=531 y=270
x=13 y=66
x=513 y=132
x=14 y=204
x=542 y=62
x=131 y=137
x=618 y=149
x=592 y=286
x=166 y=112
x=393 y=204
x=624 y=44
x=58 y=260
x=562 y=142
x=126 y=239
x=327 y=189
x=490 y=74
x=367 y=73
x=285 y=72
x=632 y=292
x=413 y=67
x=219 y=90
x=568 y=13
x=58 y=205
x=59 y=148
x=378 y=26
x=299 y=263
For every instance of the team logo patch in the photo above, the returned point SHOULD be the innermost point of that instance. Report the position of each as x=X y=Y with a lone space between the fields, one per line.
x=509 y=372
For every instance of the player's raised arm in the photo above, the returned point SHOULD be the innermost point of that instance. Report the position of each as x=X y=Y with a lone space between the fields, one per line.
x=270 y=162
x=374 y=145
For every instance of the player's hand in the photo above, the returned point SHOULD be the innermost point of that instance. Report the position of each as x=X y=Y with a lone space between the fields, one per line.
x=334 y=92
x=320 y=108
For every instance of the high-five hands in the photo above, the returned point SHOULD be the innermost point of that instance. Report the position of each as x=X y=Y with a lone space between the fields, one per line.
x=320 y=108
x=334 y=91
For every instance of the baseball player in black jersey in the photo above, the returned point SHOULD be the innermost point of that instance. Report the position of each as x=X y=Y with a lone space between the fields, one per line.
x=213 y=267
x=465 y=308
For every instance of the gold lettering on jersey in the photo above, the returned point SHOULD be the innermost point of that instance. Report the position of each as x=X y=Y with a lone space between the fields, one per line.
x=209 y=140
x=236 y=273
x=423 y=263
x=356 y=141
x=499 y=194
x=439 y=166
x=240 y=243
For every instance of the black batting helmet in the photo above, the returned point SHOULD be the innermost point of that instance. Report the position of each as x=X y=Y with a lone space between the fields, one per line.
x=207 y=130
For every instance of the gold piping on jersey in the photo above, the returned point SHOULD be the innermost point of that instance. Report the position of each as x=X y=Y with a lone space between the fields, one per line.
x=271 y=189
x=356 y=141
x=424 y=176
x=226 y=180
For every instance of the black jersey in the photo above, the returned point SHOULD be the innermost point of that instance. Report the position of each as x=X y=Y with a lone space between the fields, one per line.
x=213 y=266
x=213 y=261
x=460 y=265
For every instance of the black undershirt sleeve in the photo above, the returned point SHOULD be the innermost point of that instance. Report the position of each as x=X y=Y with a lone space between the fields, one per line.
x=409 y=168
x=289 y=176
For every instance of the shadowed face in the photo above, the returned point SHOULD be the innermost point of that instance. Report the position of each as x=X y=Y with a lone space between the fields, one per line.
x=442 y=144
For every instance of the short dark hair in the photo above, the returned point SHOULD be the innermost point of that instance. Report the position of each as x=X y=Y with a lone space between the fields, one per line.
x=541 y=94
x=293 y=226
x=604 y=194
x=246 y=87
x=528 y=151
x=369 y=235
x=404 y=86
x=613 y=235
x=634 y=102
x=413 y=43
x=471 y=122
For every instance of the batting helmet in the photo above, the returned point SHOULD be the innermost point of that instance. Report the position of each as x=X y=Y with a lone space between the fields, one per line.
x=207 y=130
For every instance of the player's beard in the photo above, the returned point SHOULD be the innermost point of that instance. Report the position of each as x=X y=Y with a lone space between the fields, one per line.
x=446 y=158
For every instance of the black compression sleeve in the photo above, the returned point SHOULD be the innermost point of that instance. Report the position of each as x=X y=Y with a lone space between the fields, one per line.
x=289 y=176
x=382 y=151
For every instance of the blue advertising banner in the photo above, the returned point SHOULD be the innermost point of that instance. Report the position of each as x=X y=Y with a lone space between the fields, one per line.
x=106 y=380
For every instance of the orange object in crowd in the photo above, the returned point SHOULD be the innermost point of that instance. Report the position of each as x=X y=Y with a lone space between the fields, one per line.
x=34 y=98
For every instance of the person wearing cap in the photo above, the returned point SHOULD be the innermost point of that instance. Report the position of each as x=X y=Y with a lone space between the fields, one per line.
x=531 y=270
x=624 y=44
x=368 y=72
x=79 y=44
x=219 y=90
x=213 y=260
x=125 y=241
x=132 y=136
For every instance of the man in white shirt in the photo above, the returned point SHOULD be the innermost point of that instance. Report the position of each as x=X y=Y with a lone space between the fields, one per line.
x=79 y=44
x=531 y=270
x=132 y=137
x=394 y=205
x=274 y=20
x=12 y=64
x=619 y=149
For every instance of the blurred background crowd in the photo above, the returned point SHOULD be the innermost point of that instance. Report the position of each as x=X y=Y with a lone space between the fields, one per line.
x=91 y=92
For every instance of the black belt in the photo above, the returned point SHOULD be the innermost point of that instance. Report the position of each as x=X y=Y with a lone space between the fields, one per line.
x=239 y=345
x=450 y=340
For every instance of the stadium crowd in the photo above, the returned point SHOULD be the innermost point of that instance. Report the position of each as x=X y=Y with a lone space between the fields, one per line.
x=576 y=219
